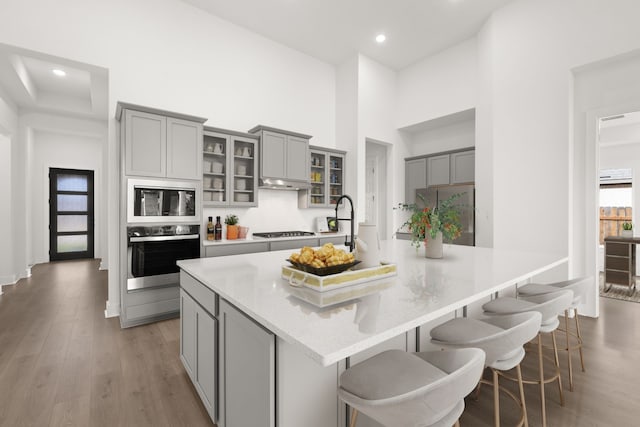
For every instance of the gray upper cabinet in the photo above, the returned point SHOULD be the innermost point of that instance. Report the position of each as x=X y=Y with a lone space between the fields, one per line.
x=456 y=167
x=230 y=168
x=438 y=169
x=159 y=143
x=247 y=371
x=463 y=167
x=274 y=155
x=297 y=158
x=184 y=145
x=415 y=177
x=327 y=179
x=284 y=157
x=145 y=137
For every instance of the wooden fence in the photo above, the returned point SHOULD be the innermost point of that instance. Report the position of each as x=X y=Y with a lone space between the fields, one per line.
x=611 y=219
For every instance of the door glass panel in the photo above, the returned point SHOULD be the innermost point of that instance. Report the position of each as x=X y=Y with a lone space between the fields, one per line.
x=72 y=183
x=72 y=243
x=72 y=202
x=72 y=223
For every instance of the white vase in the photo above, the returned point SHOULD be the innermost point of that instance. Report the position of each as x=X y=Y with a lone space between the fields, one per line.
x=626 y=233
x=433 y=246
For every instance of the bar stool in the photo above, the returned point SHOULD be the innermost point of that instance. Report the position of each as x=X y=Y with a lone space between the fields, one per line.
x=579 y=287
x=400 y=389
x=502 y=338
x=549 y=306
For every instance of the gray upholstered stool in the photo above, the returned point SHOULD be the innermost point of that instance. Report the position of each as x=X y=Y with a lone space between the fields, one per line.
x=399 y=389
x=579 y=288
x=549 y=306
x=502 y=338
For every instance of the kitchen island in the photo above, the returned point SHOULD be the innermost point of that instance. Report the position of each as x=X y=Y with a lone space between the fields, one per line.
x=259 y=354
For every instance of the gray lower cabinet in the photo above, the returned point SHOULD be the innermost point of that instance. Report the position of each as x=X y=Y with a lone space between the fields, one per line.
x=280 y=245
x=188 y=333
x=148 y=305
x=336 y=240
x=236 y=249
x=247 y=371
x=198 y=350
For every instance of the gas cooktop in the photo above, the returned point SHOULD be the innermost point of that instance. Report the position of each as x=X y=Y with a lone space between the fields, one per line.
x=274 y=234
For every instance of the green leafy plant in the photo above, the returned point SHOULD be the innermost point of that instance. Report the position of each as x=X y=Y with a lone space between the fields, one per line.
x=427 y=222
x=231 y=219
x=627 y=226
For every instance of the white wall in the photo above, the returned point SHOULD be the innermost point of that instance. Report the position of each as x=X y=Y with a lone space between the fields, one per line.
x=167 y=54
x=7 y=274
x=437 y=86
x=444 y=138
x=530 y=92
x=9 y=249
x=377 y=104
x=277 y=211
x=68 y=151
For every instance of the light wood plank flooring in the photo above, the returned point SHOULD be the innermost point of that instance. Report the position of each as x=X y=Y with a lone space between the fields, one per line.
x=63 y=363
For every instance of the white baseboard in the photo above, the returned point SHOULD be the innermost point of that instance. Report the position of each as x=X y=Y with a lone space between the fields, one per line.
x=112 y=310
x=103 y=265
x=8 y=280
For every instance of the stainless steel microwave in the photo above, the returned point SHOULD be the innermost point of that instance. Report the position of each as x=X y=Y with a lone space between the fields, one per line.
x=160 y=201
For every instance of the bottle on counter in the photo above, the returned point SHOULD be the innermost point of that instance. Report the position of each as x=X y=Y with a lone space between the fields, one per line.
x=218 y=229
x=210 y=229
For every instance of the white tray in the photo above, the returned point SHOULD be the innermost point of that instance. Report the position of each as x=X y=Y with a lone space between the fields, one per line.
x=339 y=296
x=299 y=278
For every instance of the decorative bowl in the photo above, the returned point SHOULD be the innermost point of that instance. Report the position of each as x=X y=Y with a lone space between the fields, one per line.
x=324 y=271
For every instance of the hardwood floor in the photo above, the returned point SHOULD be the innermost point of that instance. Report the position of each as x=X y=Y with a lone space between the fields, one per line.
x=605 y=395
x=63 y=363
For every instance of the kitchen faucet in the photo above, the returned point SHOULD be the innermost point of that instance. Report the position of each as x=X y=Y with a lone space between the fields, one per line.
x=351 y=243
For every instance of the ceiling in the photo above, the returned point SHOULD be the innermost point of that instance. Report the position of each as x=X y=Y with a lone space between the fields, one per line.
x=27 y=77
x=335 y=30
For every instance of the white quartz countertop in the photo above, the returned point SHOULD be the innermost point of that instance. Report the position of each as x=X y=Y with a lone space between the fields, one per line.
x=267 y=239
x=423 y=290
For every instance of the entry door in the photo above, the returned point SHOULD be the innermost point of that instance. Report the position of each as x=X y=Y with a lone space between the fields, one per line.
x=71 y=221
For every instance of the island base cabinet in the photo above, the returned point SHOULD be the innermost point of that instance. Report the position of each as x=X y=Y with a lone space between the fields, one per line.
x=404 y=342
x=198 y=347
x=247 y=371
x=307 y=391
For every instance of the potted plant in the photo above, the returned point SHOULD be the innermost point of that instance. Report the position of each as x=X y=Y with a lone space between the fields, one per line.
x=430 y=224
x=627 y=229
x=232 y=226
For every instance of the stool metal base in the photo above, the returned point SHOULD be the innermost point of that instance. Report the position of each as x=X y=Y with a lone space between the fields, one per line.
x=542 y=380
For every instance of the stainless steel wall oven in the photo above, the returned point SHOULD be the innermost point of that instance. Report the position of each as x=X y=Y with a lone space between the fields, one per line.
x=152 y=252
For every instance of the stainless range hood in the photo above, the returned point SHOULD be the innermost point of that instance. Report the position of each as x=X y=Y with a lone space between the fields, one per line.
x=283 y=184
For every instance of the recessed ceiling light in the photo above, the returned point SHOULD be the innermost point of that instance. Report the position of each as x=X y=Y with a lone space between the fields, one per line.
x=58 y=72
x=380 y=38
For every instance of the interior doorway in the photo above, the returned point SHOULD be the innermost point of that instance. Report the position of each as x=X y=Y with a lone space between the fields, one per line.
x=619 y=155
x=376 y=182
x=71 y=214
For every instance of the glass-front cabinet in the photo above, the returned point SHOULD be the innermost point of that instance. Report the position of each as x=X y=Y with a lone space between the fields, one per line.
x=327 y=179
x=230 y=174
